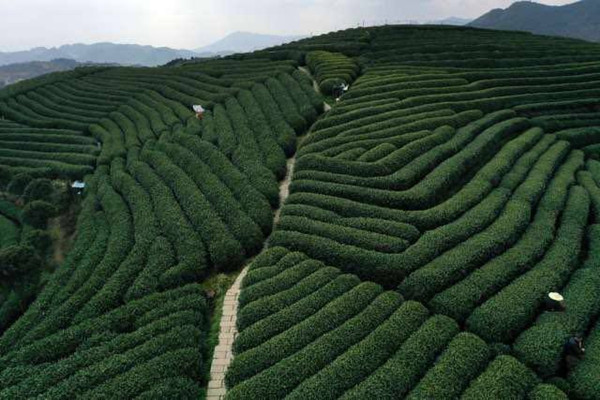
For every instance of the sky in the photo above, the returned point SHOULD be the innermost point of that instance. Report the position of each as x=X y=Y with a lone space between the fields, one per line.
x=189 y=24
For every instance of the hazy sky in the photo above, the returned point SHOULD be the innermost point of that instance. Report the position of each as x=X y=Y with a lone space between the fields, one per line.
x=193 y=23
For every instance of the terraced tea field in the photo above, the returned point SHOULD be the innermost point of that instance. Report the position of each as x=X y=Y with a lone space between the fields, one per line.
x=431 y=212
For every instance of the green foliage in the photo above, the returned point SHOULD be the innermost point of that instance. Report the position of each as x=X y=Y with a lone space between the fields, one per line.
x=542 y=345
x=331 y=69
x=583 y=378
x=17 y=261
x=5 y=177
x=448 y=168
x=546 y=392
x=40 y=189
x=18 y=183
x=36 y=213
x=398 y=375
x=505 y=378
x=462 y=361
x=39 y=239
x=526 y=294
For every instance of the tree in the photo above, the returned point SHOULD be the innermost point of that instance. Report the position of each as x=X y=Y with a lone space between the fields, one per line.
x=17 y=261
x=37 y=212
x=18 y=183
x=40 y=189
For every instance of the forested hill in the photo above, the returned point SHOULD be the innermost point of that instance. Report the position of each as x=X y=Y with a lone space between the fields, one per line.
x=580 y=20
x=432 y=209
x=17 y=72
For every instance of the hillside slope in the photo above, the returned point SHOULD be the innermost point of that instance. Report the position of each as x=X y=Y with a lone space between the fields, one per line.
x=431 y=211
x=12 y=73
x=580 y=20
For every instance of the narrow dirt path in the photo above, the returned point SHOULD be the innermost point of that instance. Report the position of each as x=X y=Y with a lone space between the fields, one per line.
x=326 y=107
x=284 y=187
x=223 y=354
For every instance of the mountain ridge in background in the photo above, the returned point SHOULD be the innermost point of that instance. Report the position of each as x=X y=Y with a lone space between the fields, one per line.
x=456 y=21
x=579 y=20
x=243 y=42
x=13 y=73
x=105 y=52
x=149 y=56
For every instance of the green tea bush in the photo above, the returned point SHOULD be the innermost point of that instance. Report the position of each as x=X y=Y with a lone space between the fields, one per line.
x=342 y=309
x=505 y=378
x=284 y=376
x=461 y=299
x=525 y=294
x=461 y=362
x=399 y=374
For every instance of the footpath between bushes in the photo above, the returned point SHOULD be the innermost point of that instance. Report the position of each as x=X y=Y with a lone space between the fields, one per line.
x=223 y=354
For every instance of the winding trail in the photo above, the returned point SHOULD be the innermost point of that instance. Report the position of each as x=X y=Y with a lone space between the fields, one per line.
x=223 y=354
x=326 y=107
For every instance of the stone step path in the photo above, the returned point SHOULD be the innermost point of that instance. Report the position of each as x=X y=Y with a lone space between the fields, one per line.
x=223 y=354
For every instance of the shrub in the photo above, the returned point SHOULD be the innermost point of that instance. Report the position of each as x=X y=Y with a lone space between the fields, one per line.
x=18 y=183
x=364 y=357
x=5 y=176
x=17 y=261
x=335 y=313
x=39 y=239
x=546 y=392
x=36 y=213
x=276 y=323
x=286 y=105
x=399 y=374
x=461 y=362
x=290 y=268
x=40 y=189
x=481 y=247
x=525 y=294
x=504 y=378
x=542 y=345
x=584 y=377
x=278 y=380
x=461 y=299
x=262 y=308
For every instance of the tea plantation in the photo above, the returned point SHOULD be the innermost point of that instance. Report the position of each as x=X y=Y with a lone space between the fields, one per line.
x=431 y=212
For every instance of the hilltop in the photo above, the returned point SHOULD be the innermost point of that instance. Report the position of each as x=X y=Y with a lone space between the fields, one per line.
x=580 y=20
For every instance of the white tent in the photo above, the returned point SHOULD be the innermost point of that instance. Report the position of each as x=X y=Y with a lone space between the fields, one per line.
x=78 y=185
x=198 y=109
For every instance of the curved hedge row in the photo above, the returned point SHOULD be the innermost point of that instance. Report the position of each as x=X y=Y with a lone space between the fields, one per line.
x=427 y=174
x=331 y=69
x=526 y=293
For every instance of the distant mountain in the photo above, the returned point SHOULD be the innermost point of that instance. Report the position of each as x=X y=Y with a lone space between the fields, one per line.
x=243 y=42
x=451 y=21
x=124 y=54
x=13 y=73
x=579 y=20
